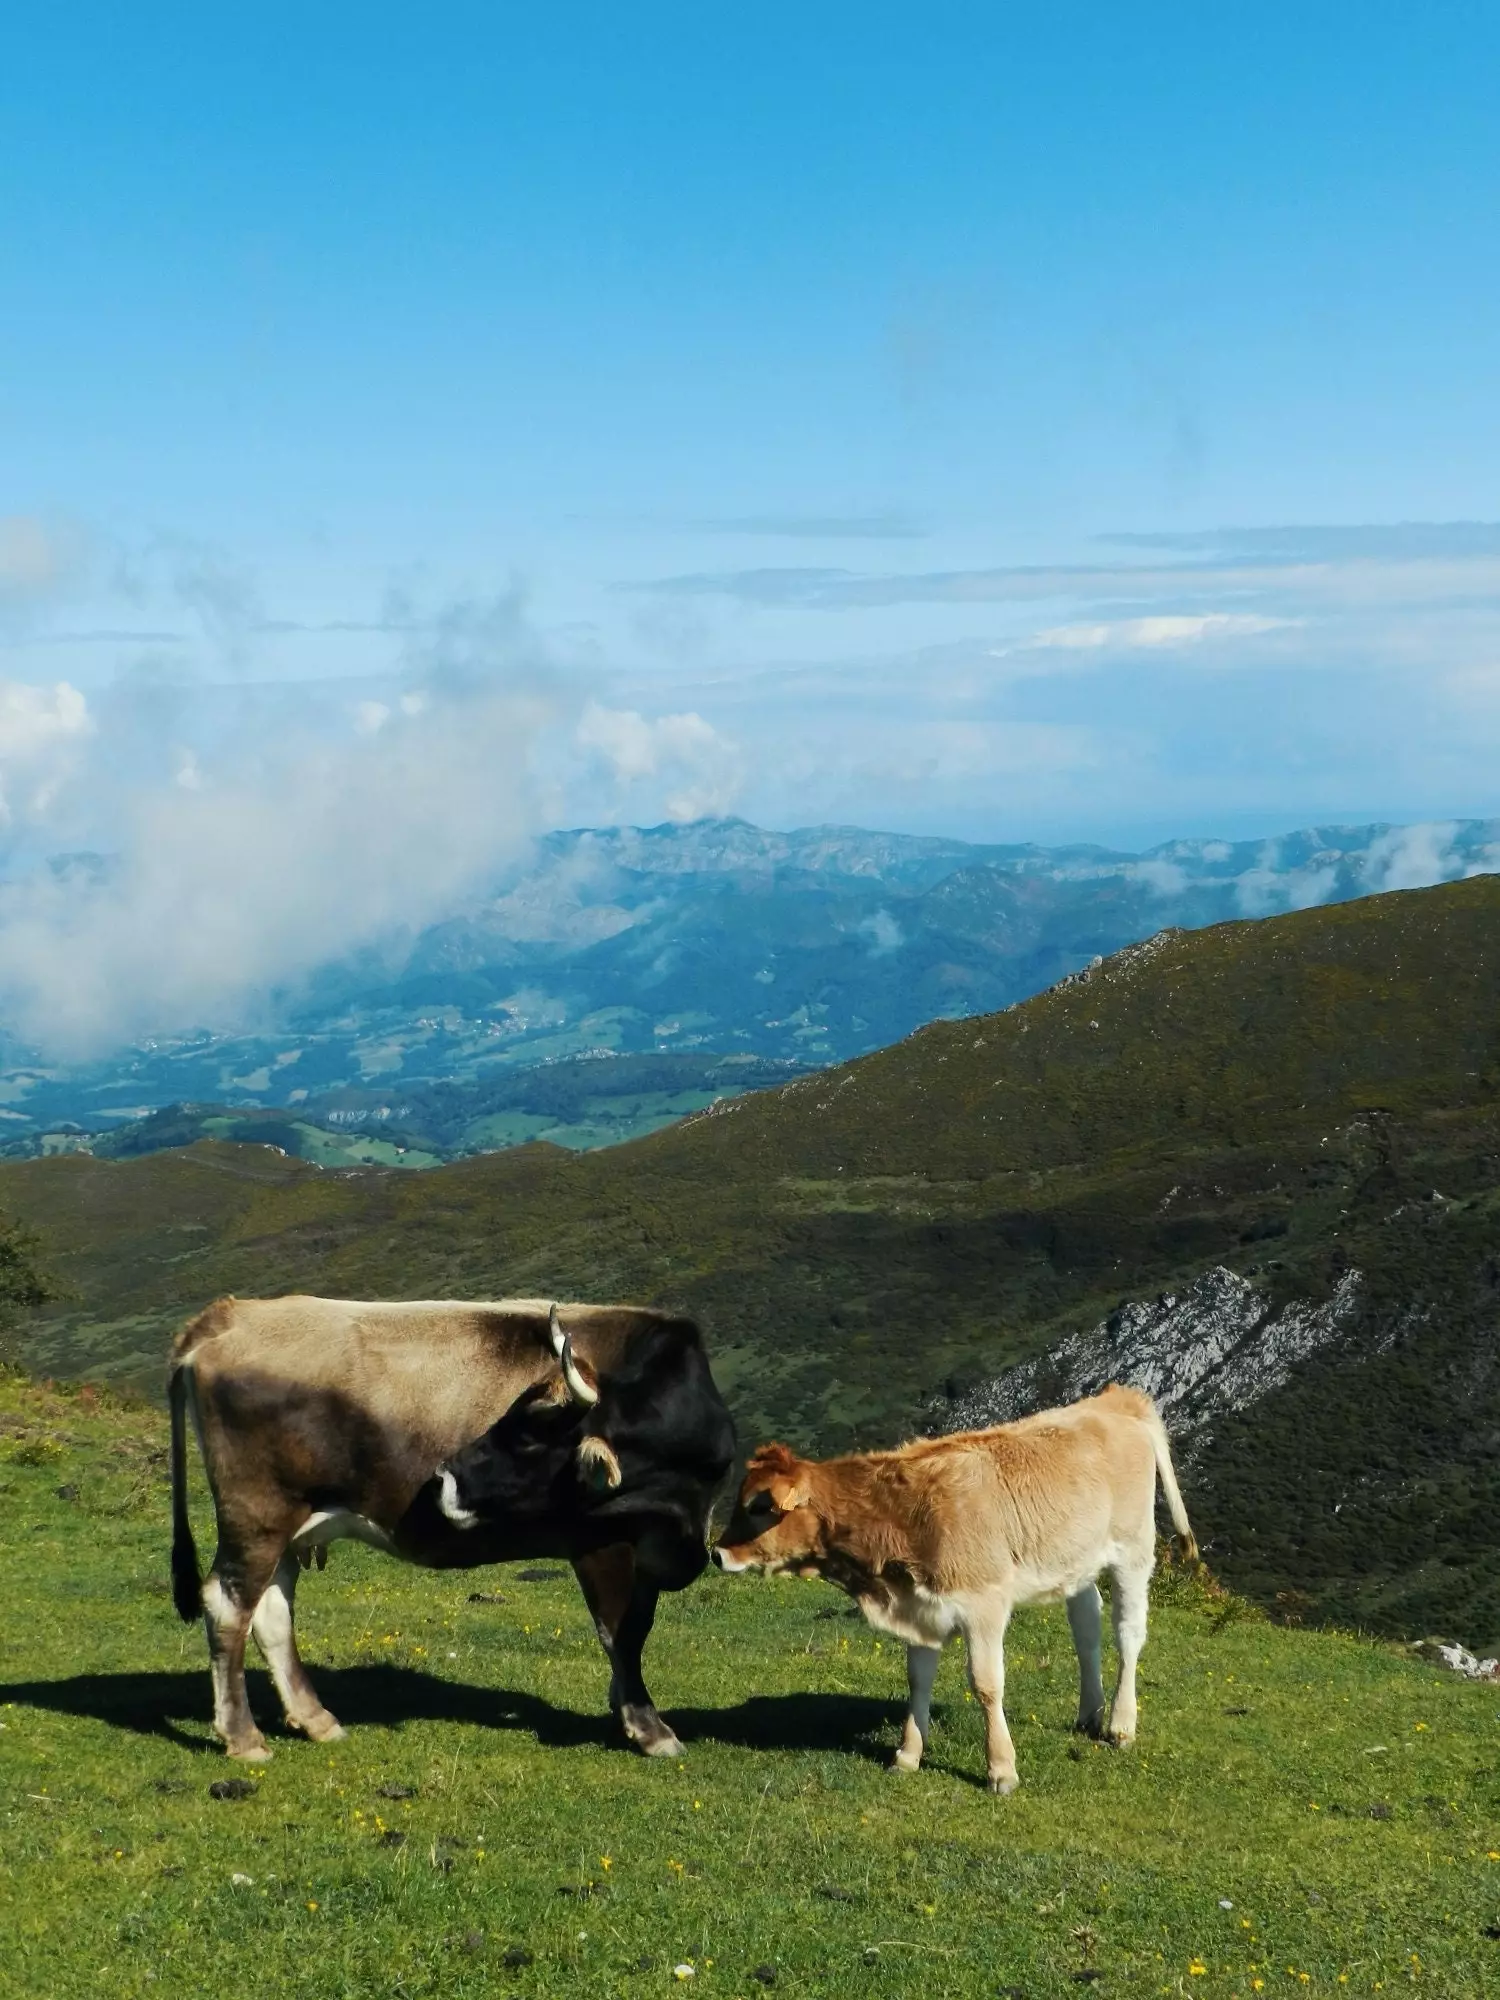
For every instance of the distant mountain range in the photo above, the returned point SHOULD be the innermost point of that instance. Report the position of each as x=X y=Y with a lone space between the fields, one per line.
x=712 y=940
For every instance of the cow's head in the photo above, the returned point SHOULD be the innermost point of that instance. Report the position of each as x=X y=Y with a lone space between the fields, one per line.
x=776 y=1524
x=635 y=1454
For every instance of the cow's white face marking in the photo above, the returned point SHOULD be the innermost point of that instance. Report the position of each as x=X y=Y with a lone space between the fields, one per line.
x=733 y=1565
x=449 y=1504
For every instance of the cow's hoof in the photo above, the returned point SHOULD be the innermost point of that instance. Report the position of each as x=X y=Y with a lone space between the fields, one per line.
x=1122 y=1738
x=664 y=1745
x=1091 y=1726
x=646 y=1730
x=1001 y=1788
x=320 y=1728
x=903 y=1766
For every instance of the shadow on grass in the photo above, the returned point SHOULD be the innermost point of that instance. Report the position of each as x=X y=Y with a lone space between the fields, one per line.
x=159 y=1704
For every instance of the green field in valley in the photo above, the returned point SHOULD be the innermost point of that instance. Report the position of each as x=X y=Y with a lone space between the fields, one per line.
x=1304 y=1811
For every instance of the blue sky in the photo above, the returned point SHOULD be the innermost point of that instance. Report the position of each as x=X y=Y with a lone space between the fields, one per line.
x=1054 y=423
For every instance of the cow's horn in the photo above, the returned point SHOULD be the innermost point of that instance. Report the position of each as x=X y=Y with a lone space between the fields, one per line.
x=554 y=1327
x=582 y=1390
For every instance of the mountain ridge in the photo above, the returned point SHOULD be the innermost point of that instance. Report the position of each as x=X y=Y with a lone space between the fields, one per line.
x=721 y=938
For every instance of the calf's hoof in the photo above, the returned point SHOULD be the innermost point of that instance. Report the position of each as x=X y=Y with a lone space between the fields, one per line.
x=1001 y=1788
x=1122 y=1738
x=902 y=1763
x=1091 y=1726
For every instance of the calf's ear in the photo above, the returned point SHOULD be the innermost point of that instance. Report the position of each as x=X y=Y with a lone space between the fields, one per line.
x=787 y=1494
x=772 y=1458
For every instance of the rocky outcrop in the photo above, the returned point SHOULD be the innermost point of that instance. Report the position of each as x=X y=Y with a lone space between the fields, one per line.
x=1210 y=1349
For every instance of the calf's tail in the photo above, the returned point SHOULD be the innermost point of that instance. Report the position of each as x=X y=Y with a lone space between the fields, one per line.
x=187 y=1590
x=1183 y=1542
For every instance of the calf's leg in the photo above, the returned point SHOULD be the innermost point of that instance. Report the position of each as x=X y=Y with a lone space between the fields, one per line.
x=921 y=1672
x=276 y=1636
x=985 y=1638
x=1085 y=1616
x=1128 y=1605
x=623 y=1607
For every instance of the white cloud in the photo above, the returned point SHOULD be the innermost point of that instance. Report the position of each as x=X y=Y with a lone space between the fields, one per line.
x=1415 y=857
x=35 y=556
x=1269 y=889
x=38 y=727
x=884 y=933
x=232 y=872
x=701 y=767
x=1168 y=631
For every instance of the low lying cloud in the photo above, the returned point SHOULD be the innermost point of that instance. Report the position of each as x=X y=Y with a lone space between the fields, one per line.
x=884 y=932
x=700 y=767
x=1417 y=857
x=229 y=879
x=38 y=727
x=177 y=855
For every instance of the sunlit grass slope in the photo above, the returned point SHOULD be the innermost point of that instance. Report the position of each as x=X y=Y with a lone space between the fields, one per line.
x=1304 y=1812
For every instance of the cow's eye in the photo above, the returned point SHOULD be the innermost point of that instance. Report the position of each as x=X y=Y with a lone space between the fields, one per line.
x=761 y=1502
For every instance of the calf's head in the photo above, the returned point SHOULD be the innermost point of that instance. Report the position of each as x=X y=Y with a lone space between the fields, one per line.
x=776 y=1524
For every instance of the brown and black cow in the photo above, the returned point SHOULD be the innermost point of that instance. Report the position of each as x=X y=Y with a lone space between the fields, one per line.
x=451 y=1434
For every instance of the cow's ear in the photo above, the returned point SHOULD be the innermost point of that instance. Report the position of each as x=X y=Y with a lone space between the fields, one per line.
x=597 y=1465
x=788 y=1493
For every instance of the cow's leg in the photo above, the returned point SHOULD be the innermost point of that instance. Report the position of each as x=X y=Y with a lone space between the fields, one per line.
x=1085 y=1616
x=623 y=1606
x=231 y=1591
x=985 y=1638
x=921 y=1672
x=1128 y=1605
x=276 y=1636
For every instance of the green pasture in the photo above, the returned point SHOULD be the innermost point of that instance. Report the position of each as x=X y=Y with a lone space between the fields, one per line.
x=1305 y=1811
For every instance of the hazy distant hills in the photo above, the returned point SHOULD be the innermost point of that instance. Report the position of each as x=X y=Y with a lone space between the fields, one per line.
x=1310 y=1104
x=717 y=939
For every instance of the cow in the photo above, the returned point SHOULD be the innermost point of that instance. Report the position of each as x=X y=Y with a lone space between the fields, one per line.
x=949 y=1534
x=596 y=1434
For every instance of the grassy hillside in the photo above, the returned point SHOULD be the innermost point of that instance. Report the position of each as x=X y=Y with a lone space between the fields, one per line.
x=1290 y=1097
x=1303 y=1811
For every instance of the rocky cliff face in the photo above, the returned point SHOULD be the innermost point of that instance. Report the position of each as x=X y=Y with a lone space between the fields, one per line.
x=1213 y=1348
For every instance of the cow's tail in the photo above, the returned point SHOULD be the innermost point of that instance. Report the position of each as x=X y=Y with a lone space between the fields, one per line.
x=1184 y=1544
x=187 y=1590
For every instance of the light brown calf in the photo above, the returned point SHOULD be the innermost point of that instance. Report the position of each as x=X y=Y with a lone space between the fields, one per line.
x=950 y=1534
